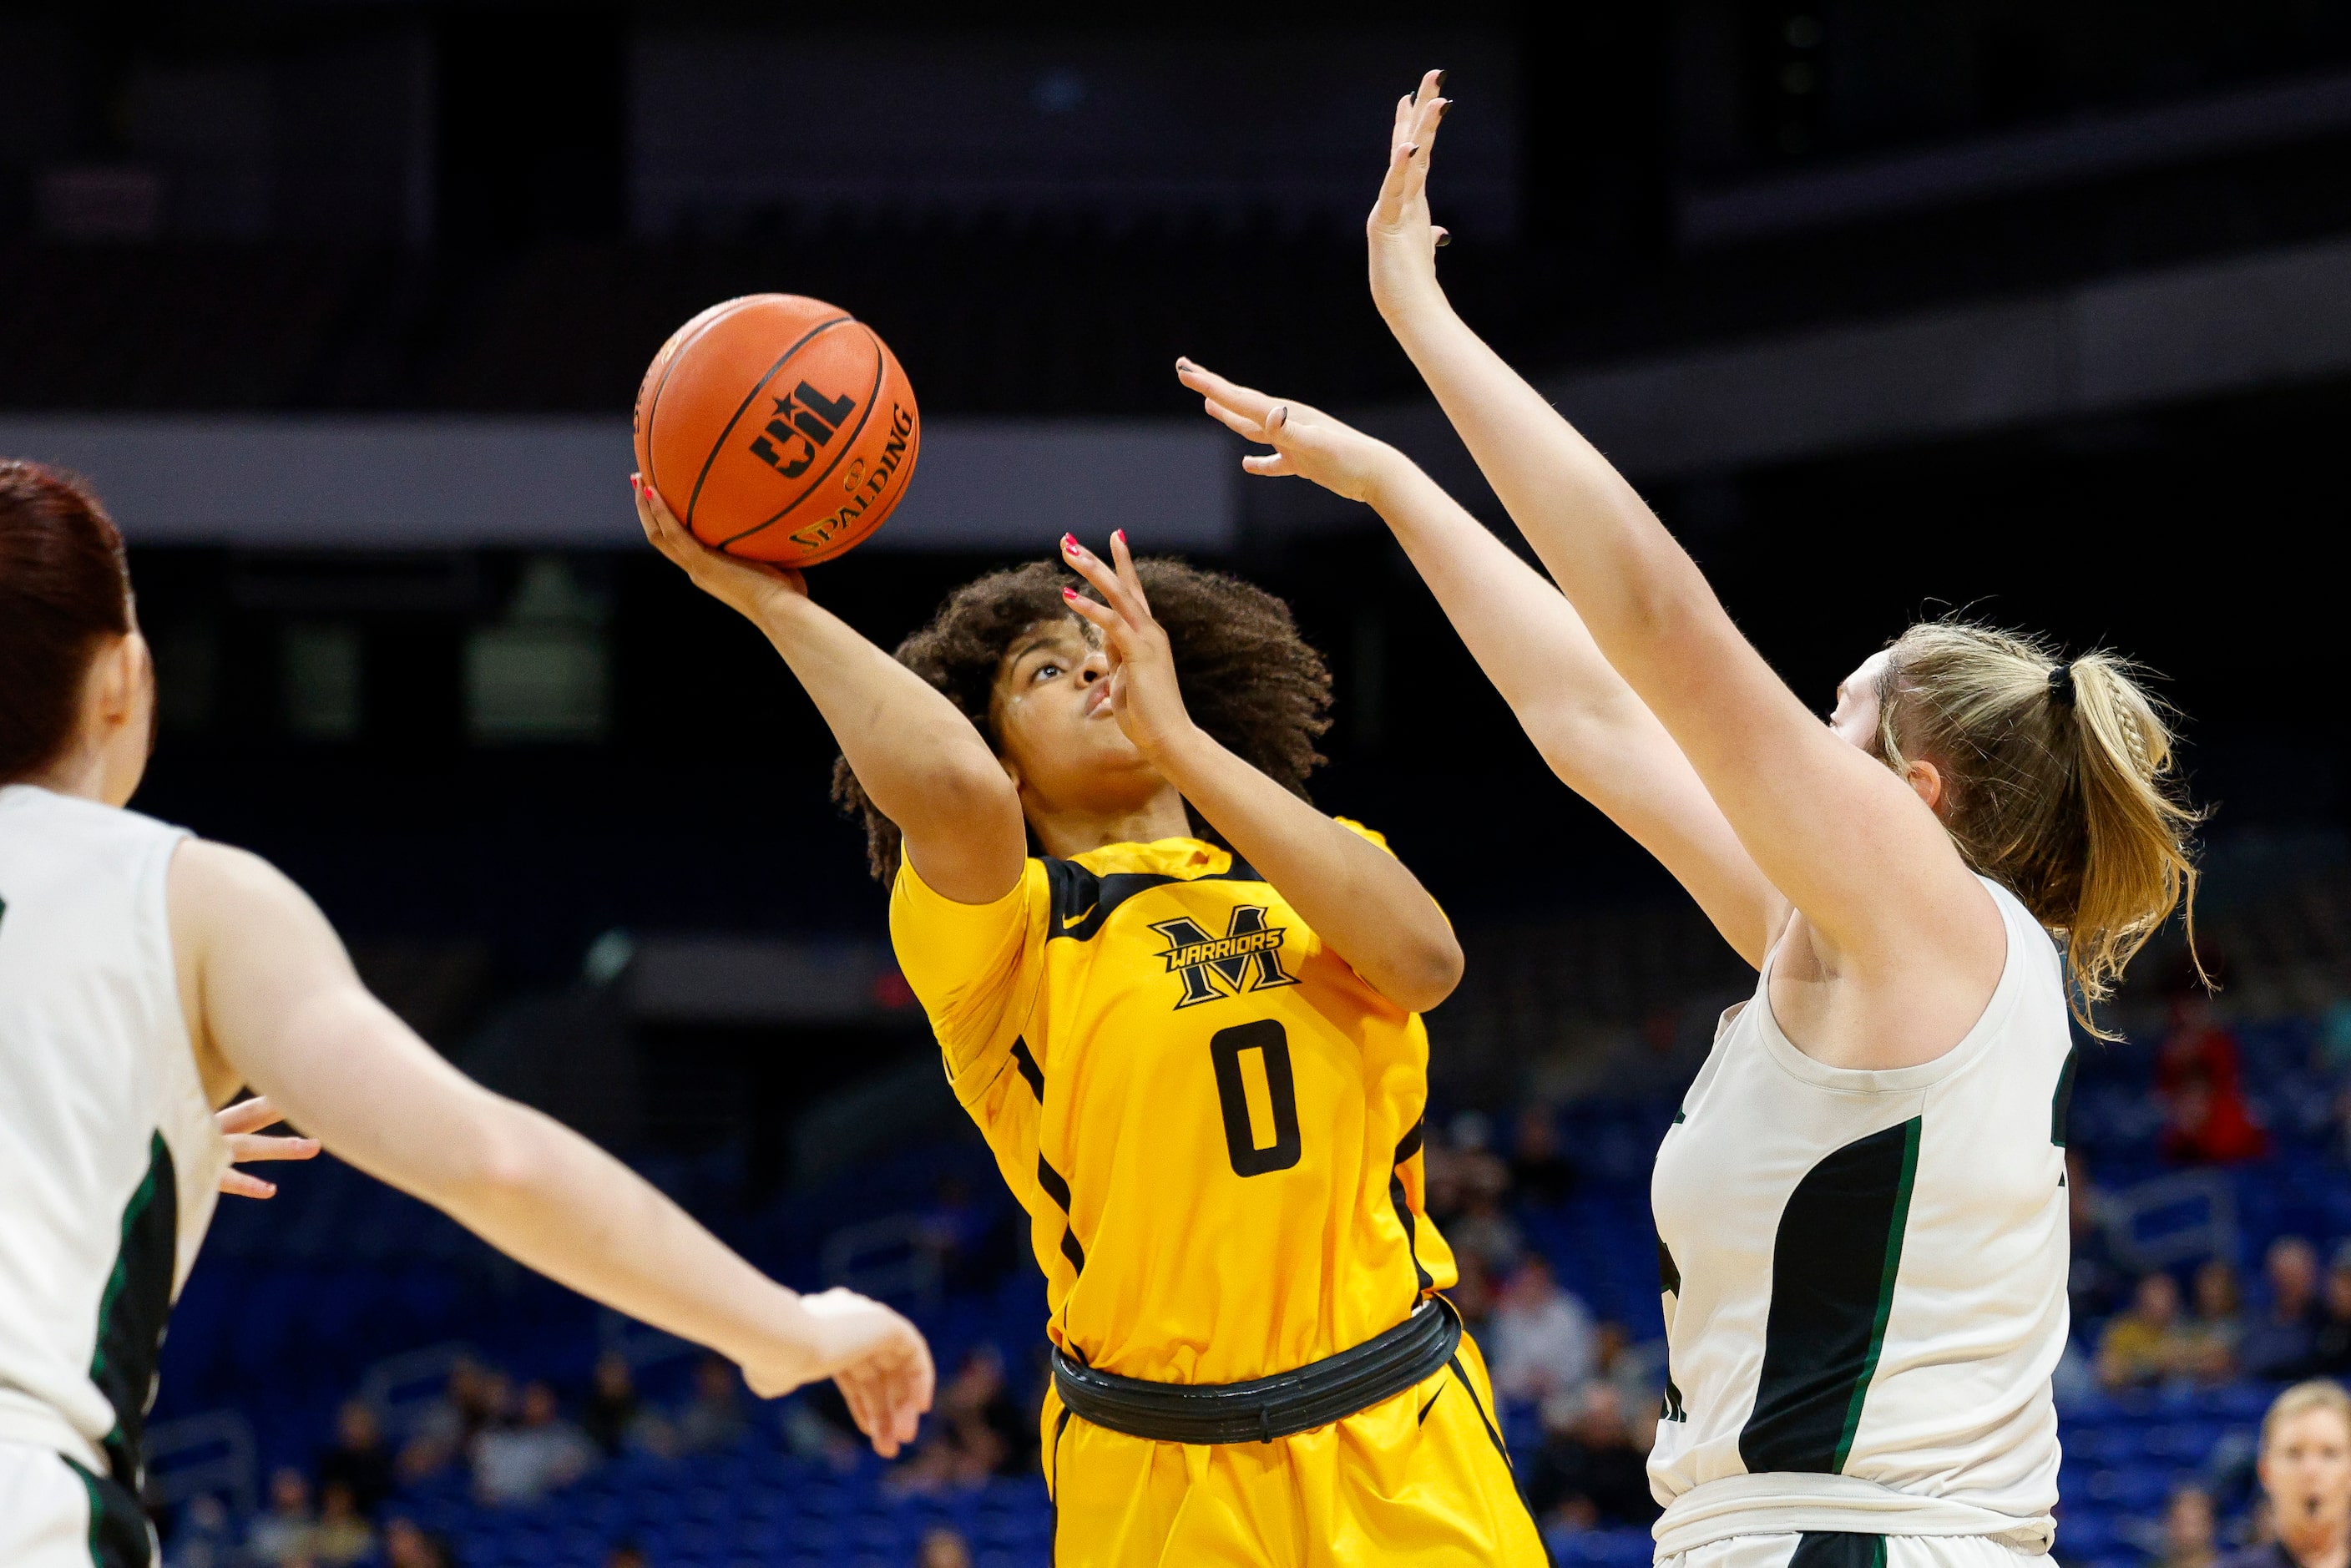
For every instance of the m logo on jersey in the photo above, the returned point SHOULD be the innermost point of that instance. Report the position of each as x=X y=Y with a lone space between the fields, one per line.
x=806 y=419
x=1247 y=958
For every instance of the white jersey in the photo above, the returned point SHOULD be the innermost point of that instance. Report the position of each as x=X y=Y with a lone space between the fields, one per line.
x=1865 y=1278
x=109 y=1157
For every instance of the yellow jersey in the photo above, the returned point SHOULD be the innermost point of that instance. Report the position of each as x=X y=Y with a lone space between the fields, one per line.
x=1213 y=1122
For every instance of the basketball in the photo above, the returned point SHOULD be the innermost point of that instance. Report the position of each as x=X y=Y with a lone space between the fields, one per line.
x=778 y=427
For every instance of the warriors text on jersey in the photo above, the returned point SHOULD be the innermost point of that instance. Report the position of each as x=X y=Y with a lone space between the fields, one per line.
x=110 y=1158
x=1865 y=1278
x=1213 y=1122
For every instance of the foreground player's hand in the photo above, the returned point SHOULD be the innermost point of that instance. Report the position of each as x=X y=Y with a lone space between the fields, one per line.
x=1402 y=240
x=241 y=1124
x=1144 y=697
x=877 y=1358
x=746 y=585
x=1305 y=441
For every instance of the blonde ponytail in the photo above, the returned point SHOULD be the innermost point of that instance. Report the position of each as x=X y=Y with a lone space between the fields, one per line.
x=2058 y=785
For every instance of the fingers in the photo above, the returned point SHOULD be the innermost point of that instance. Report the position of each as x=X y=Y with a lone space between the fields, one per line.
x=1246 y=401
x=653 y=516
x=1273 y=464
x=243 y=1149
x=1123 y=559
x=1128 y=602
x=248 y=1115
x=1240 y=424
x=1388 y=210
x=236 y=1184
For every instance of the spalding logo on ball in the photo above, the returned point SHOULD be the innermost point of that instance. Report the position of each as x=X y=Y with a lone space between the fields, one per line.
x=778 y=427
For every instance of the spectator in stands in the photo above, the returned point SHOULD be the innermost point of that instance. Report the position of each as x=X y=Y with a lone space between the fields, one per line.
x=614 y=1418
x=1473 y=1294
x=1539 y=1342
x=2281 y=1342
x=2188 y=1536
x=2197 y=1074
x=1482 y=1226
x=341 y=1536
x=2211 y=1338
x=713 y=1419
x=405 y=1545
x=980 y=1400
x=1540 y=1171
x=540 y=1453
x=978 y=1431
x=1589 y=1472
x=203 y=1539
x=280 y=1537
x=817 y=1426
x=1617 y=1363
x=944 y=1548
x=471 y=1400
x=954 y=1232
x=2148 y=1343
x=2331 y=1346
x=360 y=1459
x=2094 y=1282
x=2305 y=1470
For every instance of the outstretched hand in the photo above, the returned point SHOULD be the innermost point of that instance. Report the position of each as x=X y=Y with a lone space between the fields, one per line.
x=241 y=1124
x=1144 y=697
x=1305 y=441
x=879 y=1360
x=730 y=578
x=1402 y=240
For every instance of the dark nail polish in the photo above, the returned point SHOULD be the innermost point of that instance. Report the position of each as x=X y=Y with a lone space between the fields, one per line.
x=1442 y=105
x=1443 y=240
x=1440 y=81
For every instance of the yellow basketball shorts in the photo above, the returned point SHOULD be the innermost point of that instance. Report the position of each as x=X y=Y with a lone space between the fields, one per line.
x=1419 y=1477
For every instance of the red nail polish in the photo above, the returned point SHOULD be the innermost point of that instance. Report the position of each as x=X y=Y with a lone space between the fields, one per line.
x=1069 y=593
x=1120 y=536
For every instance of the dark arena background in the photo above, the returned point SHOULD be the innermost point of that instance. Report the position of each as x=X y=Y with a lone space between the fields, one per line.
x=2040 y=312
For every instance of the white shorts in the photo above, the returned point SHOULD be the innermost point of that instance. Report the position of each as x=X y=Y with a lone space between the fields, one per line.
x=1837 y=1549
x=54 y=1514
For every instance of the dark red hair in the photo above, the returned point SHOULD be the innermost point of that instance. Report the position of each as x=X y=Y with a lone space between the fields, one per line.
x=65 y=588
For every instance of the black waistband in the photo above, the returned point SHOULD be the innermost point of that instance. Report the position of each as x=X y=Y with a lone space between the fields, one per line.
x=1264 y=1408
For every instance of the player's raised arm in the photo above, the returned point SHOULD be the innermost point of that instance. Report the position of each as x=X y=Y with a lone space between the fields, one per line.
x=1847 y=840
x=281 y=1006
x=1371 y=910
x=1597 y=734
x=921 y=763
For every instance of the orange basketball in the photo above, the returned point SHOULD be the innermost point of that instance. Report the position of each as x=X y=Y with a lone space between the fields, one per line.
x=778 y=427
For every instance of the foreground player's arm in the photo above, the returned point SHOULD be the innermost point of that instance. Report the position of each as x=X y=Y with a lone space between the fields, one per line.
x=280 y=1004
x=921 y=763
x=1847 y=841
x=1359 y=898
x=1598 y=736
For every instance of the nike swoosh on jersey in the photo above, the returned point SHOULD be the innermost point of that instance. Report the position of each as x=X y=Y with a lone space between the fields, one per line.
x=1069 y=920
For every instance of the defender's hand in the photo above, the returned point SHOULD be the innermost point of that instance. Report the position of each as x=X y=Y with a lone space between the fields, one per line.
x=1402 y=240
x=1305 y=441
x=1144 y=695
x=730 y=578
x=240 y=1123
x=877 y=1358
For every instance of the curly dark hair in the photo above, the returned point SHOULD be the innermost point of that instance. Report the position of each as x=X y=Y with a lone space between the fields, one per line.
x=1249 y=678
